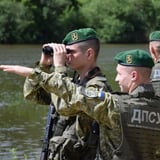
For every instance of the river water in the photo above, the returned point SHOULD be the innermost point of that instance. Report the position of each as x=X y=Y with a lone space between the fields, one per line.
x=22 y=123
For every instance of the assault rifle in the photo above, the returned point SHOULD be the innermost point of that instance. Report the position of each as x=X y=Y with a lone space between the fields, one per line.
x=48 y=133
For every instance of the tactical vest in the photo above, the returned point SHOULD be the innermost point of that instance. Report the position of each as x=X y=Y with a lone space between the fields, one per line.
x=140 y=121
x=66 y=144
x=91 y=141
x=155 y=78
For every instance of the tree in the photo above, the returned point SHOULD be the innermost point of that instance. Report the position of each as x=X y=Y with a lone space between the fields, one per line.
x=13 y=20
x=53 y=18
x=41 y=21
x=120 y=20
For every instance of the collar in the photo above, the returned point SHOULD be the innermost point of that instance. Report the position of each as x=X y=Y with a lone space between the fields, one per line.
x=89 y=75
x=143 y=90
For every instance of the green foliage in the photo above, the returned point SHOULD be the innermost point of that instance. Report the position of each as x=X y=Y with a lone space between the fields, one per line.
x=120 y=20
x=156 y=4
x=13 y=21
x=7 y=21
x=117 y=21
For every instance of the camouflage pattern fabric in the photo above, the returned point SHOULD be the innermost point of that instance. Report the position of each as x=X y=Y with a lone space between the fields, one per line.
x=155 y=78
x=105 y=110
x=76 y=141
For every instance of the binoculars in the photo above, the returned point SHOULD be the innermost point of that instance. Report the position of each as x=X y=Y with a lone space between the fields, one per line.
x=49 y=50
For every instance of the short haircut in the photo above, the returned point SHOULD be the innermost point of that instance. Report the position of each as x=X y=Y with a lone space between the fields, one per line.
x=92 y=43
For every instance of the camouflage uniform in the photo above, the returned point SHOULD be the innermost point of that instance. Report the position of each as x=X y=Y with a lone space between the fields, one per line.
x=129 y=123
x=78 y=136
x=115 y=141
x=155 y=77
x=154 y=47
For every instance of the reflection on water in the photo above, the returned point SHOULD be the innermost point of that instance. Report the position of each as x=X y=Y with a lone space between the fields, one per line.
x=22 y=123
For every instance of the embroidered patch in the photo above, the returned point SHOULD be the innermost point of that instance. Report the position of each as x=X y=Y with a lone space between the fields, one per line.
x=144 y=118
x=74 y=36
x=156 y=73
x=129 y=59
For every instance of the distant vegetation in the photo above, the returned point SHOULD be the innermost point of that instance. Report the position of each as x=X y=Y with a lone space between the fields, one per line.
x=116 y=21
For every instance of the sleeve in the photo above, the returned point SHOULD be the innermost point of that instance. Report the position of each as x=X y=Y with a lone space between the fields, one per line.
x=32 y=91
x=77 y=99
x=37 y=94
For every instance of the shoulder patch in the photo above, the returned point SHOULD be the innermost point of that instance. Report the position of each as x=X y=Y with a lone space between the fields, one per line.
x=92 y=94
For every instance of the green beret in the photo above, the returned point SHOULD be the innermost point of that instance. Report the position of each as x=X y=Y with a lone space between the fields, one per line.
x=79 y=35
x=136 y=58
x=154 y=36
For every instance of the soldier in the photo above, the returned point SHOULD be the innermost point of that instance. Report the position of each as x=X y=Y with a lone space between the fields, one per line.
x=129 y=121
x=154 y=47
x=79 y=138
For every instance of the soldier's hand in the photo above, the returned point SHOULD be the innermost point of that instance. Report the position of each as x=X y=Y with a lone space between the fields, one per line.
x=59 y=56
x=16 y=69
x=46 y=59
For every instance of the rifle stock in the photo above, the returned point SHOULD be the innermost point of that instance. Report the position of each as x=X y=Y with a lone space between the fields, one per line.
x=48 y=133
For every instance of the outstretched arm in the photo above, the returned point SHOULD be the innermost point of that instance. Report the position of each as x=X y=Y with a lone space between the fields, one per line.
x=16 y=69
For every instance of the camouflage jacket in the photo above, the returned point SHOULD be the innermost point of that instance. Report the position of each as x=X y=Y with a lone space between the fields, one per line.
x=155 y=77
x=34 y=86
x=103 y=107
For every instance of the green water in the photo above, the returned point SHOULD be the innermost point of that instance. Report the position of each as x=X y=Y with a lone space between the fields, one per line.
x=22 y=123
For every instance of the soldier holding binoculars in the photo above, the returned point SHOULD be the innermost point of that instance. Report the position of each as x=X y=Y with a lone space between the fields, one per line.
x=75 y=137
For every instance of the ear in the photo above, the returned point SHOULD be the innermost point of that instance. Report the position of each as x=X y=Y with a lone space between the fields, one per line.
x=152 y=51
x=134 y=75
x=90 y=53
